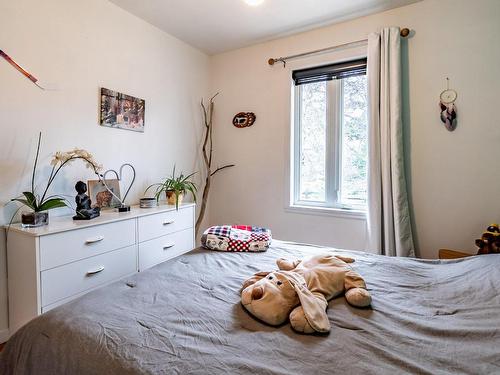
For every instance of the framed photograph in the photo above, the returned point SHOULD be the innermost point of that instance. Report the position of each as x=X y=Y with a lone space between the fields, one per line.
x=122 y=111
x=100 y=196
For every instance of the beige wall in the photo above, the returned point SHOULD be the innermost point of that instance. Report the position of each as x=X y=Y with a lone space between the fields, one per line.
x=454 y=177
x=80 y=46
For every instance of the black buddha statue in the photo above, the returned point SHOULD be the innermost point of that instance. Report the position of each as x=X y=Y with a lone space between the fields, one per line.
x=84 y=210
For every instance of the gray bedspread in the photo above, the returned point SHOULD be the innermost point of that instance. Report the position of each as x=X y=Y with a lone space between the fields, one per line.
x=185 y=317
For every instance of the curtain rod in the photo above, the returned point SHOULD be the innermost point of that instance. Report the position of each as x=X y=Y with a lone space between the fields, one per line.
x=404 y=33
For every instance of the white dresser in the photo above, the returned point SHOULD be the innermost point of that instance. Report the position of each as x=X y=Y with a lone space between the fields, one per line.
x=51 y=265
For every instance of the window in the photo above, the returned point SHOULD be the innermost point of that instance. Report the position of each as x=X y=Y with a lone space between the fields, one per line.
x=329 y=142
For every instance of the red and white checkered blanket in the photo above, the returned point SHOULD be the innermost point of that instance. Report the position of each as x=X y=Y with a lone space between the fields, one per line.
x=236 y=238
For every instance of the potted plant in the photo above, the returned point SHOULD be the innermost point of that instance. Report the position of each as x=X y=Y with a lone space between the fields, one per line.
x=39 y=205
x=175 y=187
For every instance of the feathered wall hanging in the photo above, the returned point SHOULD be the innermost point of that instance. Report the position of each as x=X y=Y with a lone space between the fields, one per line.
x=25 y=73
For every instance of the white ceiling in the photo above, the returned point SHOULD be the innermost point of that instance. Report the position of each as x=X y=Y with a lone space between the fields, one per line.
x=220 y=25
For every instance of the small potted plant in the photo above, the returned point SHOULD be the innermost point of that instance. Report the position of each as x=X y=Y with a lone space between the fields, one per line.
x=175 y=187
x=40 y=205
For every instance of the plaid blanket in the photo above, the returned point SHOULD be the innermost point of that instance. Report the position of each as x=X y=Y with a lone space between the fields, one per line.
x=236 y=238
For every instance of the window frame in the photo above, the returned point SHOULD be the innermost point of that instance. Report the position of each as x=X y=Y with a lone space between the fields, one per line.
x=333 y=162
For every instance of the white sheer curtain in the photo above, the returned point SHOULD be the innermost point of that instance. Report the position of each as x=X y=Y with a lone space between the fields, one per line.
x=389 y=226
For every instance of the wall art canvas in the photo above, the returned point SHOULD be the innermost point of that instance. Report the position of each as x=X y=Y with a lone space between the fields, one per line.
x=100 y=196
x=122 y=111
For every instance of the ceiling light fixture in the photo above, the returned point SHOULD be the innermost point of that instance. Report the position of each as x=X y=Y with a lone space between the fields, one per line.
x=254 y=3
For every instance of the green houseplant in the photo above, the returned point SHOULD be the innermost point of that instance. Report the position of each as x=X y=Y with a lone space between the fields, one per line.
x=39 y=205
x=175 y=187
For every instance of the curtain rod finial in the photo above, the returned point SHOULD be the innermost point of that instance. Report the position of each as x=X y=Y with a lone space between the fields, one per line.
x=405 y=32
x=271 y=61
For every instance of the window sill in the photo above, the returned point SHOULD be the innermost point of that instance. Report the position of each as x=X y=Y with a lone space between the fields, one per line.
x=327 y=211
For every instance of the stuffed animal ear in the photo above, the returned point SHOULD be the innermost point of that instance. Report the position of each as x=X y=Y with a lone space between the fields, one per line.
x=314 y=307
x=254 y=279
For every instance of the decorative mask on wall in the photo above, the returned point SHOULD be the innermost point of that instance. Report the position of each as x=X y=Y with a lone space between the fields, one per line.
x=448 y=108
x=244 y=119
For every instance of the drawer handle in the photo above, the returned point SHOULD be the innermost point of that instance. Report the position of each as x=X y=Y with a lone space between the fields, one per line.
x=168 y=222
x=95 y=270
x=169 y=246
x=94 y=240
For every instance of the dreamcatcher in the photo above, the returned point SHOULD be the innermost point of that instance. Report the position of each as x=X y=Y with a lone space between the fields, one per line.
x=448 y=108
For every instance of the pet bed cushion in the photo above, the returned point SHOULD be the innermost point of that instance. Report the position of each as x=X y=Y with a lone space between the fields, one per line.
x=236 y=238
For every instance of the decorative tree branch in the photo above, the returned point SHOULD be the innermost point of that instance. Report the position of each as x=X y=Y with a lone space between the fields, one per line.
x=207 y=151
x=221 y=168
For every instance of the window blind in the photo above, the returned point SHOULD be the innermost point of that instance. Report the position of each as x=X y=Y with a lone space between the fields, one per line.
x=329 y=72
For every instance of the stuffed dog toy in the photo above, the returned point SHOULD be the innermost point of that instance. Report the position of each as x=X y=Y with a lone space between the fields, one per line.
x=300 y=290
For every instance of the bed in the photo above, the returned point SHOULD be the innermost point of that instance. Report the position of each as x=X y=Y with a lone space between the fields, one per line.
x=184 y=317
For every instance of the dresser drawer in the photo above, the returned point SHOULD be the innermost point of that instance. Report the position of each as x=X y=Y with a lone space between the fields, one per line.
x=163 y=248
x=65 y=247
x=64 y=281
x=158 y=225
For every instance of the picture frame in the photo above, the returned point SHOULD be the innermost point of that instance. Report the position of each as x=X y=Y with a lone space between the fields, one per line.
x=100 y=196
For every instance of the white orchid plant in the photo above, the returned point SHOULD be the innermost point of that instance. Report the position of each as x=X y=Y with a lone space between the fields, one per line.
x=47 y=202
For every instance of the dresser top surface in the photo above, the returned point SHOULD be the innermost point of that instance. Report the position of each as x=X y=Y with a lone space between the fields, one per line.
x=65 y=223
